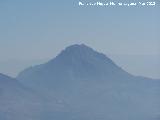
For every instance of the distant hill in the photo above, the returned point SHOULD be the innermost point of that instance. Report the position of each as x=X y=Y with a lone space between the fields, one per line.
x=94 y=87
x=18 y=102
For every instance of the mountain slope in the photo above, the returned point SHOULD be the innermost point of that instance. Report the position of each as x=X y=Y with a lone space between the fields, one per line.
x=17 y=102
x=94 y=87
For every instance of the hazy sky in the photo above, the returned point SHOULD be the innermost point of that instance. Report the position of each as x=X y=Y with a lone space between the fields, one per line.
x=34 y=31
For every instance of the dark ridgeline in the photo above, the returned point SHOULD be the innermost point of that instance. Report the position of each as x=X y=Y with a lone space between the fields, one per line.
x=81 y=83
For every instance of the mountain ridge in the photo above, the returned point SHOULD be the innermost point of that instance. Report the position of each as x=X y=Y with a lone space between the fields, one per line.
x=17 y=101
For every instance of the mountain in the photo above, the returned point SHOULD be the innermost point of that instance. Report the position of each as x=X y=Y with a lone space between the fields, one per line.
x=76 y=62
x=91 y=86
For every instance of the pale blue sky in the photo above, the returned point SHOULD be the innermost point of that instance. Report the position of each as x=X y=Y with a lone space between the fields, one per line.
x=33 y=31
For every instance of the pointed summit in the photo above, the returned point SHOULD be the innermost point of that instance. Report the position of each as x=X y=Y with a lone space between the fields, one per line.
x=78 y=46
x=77 y=49
x=82 y=53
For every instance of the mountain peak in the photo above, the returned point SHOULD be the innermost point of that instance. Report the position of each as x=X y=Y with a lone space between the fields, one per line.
x=77 y=45
x=81 y=60
x=81 y=52
x=78 y=48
